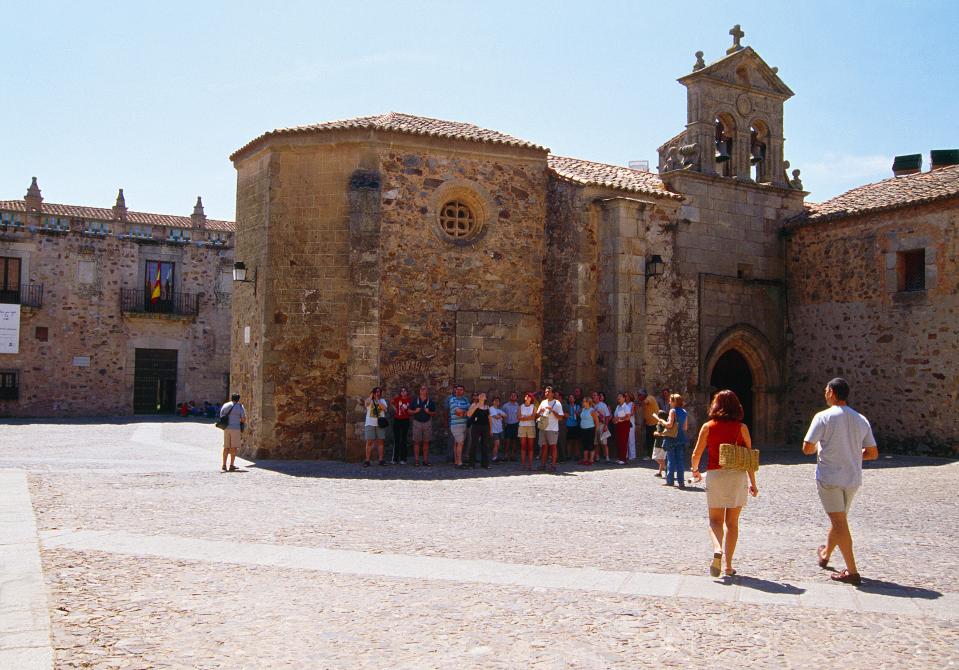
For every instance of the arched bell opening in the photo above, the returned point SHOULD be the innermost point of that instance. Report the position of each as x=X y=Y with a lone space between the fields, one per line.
x=758 y=147
x=725 y=132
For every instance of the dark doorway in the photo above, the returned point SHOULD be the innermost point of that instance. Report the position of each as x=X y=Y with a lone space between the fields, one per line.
x=154 y=381
x=732 y=372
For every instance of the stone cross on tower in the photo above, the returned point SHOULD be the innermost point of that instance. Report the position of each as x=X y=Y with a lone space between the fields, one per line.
x=737 y=34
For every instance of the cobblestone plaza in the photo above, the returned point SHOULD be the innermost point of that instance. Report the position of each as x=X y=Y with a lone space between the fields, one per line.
x=122 y=545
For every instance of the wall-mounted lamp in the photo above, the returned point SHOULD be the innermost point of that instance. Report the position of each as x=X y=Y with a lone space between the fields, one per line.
x=239 y=273
x=654 y=266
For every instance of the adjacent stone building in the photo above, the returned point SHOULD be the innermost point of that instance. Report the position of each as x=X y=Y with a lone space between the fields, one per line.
x=874 y=297
x=109 y=311
x=402 y=250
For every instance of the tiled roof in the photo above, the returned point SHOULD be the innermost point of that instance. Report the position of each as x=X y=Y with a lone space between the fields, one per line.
x=589 y=173
x=400 y=123
x=104 y=214
x=892 y=193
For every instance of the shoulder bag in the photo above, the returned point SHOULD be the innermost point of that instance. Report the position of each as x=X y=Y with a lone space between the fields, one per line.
x=738 y=457
x=224 y=420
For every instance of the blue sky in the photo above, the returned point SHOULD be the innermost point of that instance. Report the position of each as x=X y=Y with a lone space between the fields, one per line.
x=154 y=96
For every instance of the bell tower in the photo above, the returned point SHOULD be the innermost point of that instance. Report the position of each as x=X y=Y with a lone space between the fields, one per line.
x=734 y=124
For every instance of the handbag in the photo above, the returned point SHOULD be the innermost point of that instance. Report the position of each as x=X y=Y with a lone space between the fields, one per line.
x=381 y=421
x=224 y=420
x=542 y=423
x=669 y=432
x=738 y=457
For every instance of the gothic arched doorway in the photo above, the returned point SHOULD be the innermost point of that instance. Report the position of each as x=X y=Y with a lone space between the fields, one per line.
x=732 y=372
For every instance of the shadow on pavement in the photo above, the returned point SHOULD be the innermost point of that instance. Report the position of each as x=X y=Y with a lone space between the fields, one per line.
x=884 y=588
x=764 y=585
x=439 y=470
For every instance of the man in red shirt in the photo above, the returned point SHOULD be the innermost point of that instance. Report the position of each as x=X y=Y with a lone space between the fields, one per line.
x=401 y=425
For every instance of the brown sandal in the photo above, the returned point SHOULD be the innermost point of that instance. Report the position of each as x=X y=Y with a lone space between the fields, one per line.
x=847 y=577
x=823 y=561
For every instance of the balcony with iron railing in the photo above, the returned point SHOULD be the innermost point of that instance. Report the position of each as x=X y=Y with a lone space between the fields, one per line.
x=139 y=302
x=28 y=295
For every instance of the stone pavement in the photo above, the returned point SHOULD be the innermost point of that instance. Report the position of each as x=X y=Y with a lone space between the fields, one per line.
x=153 y=558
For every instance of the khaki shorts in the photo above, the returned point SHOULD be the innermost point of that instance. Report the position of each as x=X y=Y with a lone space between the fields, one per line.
x=836 y=498
x=231 y=438
x=422 y=431
x=527 y=431
x=549 y=437
x=374 y=433
x=458 y=431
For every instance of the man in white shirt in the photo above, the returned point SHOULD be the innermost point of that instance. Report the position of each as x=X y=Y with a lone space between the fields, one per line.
x=842 y=439
x=552 y=409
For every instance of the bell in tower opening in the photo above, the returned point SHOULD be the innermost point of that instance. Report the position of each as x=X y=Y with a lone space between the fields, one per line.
x=724 y=145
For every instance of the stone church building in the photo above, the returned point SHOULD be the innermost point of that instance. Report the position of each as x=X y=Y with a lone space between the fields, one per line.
x=398 y=250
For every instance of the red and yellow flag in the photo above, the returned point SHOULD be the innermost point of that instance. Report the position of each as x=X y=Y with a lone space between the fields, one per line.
x=155 y=293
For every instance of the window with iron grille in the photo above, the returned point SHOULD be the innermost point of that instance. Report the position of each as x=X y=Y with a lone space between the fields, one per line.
x=9 y=280
x=912 y=270
x=9 y=385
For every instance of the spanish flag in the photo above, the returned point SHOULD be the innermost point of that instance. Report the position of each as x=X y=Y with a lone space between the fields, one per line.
x=155 y=293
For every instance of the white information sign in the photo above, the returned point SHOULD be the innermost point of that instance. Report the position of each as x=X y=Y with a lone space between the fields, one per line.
x=246 y=335
x=9 y=329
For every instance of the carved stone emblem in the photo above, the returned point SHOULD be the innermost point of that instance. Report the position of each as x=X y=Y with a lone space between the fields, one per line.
x=744 y=105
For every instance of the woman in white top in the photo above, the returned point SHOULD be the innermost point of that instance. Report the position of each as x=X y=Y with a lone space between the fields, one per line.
x=631 y=401
x=622 y=418
x=527 y=431
x=375 y=410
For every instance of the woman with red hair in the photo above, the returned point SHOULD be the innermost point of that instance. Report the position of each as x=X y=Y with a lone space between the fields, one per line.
x=725 y=489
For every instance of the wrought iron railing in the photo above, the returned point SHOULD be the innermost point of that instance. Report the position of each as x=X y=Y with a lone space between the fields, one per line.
x=28 y=295
x=140 y=301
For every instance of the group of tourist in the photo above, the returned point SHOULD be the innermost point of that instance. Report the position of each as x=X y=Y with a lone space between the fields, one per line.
x=840 y=437
x=488 y=430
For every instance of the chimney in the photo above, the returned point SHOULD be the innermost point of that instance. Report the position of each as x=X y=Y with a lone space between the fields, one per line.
x=941 y=158
x=33 y=199
x=903 y=165
x=198 y=217
x=120 y=209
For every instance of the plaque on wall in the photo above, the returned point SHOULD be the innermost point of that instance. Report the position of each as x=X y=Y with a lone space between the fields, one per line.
x=9 y=329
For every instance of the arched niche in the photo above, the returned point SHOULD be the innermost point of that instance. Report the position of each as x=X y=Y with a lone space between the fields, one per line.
x=744 y=349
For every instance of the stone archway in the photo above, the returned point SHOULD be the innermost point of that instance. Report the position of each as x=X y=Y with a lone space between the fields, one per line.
x=742 y=359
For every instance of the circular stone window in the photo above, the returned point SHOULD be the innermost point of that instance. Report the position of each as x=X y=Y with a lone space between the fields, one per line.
x=459 y=211
x=457 y=220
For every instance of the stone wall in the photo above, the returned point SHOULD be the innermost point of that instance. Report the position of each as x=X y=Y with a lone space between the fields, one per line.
x=596 y=311
x=360 y=288
x=729 y=284
x=81 y=276
x=898 y=349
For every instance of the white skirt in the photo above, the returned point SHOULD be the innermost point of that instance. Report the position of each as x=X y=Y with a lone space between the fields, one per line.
x=726 y=488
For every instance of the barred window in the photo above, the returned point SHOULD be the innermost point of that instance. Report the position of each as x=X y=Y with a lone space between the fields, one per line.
x=912 y=270
x=457 y=220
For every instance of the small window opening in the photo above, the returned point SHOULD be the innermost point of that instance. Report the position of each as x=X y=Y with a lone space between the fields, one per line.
x=912 y=270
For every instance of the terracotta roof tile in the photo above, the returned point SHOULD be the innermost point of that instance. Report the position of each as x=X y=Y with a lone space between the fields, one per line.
x=589 y=173
x=400 y=123
x=892 y=193
x=105 y=214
